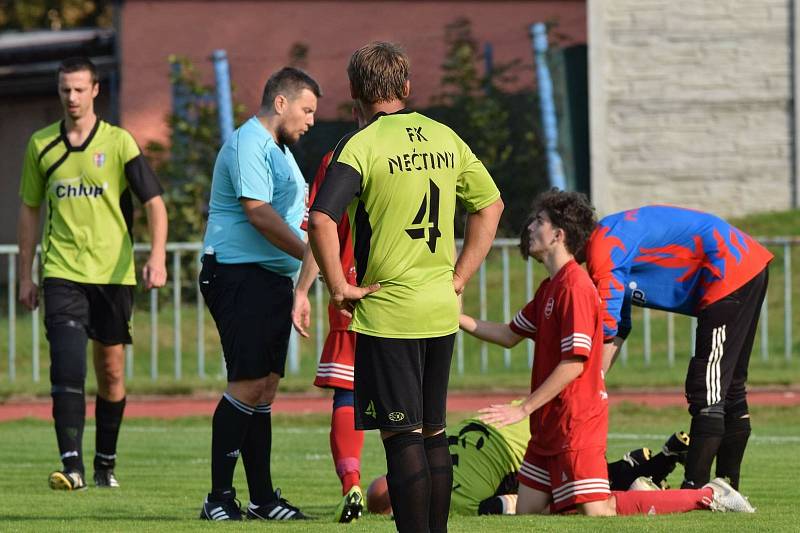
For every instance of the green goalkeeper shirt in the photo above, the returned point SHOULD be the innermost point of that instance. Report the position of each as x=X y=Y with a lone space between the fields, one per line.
x=483 y=457
x=87 y=189
x=399 y=178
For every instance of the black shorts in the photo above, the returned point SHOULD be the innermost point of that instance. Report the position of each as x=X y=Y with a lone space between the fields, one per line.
x=104 y=311
x=725 y=333
x=401 y=384
x=252 y=308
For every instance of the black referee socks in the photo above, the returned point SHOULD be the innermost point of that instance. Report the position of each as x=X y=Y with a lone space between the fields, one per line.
x=256 y=454
x=228 y=429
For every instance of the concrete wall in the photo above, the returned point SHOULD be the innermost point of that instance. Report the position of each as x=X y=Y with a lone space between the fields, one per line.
x=691 y=104
x=259 y=34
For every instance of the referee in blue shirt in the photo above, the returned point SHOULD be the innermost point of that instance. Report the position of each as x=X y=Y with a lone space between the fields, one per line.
x=253 y=246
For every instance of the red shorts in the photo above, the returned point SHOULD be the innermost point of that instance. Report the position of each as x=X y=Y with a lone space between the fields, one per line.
x=335 y=369
x=571 y=477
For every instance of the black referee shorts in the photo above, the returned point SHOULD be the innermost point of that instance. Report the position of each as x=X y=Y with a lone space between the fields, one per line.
x=104 y=311
x=252 y=308
x=401 y=384
x=725 y=333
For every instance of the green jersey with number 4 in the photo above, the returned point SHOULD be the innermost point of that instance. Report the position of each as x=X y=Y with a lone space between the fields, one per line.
x=406 y=172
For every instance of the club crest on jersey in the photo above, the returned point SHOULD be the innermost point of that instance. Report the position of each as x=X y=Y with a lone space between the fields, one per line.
x=99 y=159
x=548 y=308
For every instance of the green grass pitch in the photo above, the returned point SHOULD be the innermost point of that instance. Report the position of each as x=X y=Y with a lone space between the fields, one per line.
x=164 y=472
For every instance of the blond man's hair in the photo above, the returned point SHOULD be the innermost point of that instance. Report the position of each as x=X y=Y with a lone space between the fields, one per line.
x=378 y=72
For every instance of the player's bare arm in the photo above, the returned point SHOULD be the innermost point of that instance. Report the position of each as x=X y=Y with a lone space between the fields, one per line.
x=479 y=234
x=27 y=227
x=301 y=308
x=502 y=415
x=154 y=273
x=494 y=332
x=610 y=352
x=270 y=224
x=324 y=241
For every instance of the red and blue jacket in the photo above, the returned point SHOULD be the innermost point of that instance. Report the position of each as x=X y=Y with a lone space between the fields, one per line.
x=668 y=258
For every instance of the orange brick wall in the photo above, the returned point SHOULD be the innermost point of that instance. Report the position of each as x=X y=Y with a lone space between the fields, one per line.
x=259 y=34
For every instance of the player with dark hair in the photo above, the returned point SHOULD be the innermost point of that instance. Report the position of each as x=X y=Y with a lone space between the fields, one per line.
x=84 y=170
x=693 y=263
x=564 y=466
x=399 y=178
x=253 y=247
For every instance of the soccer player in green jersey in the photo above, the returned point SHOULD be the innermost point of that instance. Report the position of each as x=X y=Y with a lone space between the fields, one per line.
x=84 y=170
x=399 y=178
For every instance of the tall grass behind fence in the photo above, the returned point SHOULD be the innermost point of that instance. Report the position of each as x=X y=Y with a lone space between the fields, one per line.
x=176 y=347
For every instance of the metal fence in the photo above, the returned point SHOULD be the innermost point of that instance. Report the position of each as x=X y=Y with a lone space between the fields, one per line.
x=498 y=268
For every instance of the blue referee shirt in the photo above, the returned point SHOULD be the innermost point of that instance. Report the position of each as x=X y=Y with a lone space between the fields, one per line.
x=251 y=165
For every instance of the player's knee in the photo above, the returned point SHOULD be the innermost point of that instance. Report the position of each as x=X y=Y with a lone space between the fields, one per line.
x=737 y=410
x=606 y=507
x=68 y=342
x=714 y=411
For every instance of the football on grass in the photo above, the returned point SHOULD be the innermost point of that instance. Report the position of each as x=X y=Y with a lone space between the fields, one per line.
x=378 y=501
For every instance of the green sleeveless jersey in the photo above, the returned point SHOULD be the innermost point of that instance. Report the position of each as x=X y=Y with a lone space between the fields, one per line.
x=483 y=456
x=87 y=190
x=399 y=178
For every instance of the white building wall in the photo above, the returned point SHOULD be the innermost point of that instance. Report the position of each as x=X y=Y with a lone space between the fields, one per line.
x=691 y=104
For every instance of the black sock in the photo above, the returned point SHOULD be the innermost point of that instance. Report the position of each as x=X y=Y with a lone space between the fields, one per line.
x=409 y=481
x=706 y=435
x=229 y=427
x=108 y=418
x=731 y=449
x=69 y=414
x=440 y=466
x=657 y=468
x=256 y=451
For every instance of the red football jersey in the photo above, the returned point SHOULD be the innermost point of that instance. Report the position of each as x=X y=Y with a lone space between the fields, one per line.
x=338 y=322
x=564 y=321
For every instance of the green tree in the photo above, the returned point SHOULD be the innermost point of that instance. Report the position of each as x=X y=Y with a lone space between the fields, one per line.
x=497 y=124
x=186 y=163
x=54 y=14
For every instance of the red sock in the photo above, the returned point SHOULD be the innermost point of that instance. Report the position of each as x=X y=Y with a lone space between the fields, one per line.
x=662 y=501
x=346 y=444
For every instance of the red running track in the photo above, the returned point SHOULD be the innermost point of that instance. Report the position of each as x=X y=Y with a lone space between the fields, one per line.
x=168 y=407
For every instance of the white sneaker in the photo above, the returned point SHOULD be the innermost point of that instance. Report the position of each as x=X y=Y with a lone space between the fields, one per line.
x=727 y=499
x=643 y=483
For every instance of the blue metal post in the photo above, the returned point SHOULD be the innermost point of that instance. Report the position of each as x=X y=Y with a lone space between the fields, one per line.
x=224 y=100
x=555 y=168
x=488 y=59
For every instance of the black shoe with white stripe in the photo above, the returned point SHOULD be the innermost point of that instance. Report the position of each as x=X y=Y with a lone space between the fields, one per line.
x=222 y=506
x=105 y=479
x=277 y=509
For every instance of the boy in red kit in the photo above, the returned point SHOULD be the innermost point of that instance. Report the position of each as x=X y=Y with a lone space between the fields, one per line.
x=564 y=466
x=335 y=370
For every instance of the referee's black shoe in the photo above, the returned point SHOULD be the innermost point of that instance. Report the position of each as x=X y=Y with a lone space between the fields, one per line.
x=221 y=506
x=277 y=509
